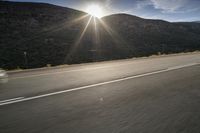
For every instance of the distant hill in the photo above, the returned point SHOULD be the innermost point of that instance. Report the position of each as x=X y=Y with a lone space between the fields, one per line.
x=196 y=21
x=50 y=34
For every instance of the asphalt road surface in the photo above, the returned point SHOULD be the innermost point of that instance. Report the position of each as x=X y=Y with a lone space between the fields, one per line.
x=155 y=95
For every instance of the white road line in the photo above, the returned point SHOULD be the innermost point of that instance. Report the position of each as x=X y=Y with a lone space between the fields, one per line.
x=4 y=101
x=77 y=70
x=98 y=84
x=182 y=66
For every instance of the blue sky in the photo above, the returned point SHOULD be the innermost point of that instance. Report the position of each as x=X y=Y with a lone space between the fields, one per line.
x=170 y=10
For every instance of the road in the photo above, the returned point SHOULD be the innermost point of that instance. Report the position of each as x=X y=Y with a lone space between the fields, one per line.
x=143 y=95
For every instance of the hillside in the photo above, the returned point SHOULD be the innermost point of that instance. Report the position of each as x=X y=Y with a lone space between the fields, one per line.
x=50 y=34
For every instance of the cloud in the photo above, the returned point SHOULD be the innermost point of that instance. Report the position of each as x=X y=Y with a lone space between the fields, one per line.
x=169 y=5
x=176 y=6
x=143 y=3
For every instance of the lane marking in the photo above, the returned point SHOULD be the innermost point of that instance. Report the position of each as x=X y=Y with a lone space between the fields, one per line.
x=4 y=101
x=182 y=66
x=98 y=84
x=83 y=69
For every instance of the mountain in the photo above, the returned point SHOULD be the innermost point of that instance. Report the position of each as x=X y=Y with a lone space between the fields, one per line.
x=196 y=21
x=36 y=34
x=151 y=36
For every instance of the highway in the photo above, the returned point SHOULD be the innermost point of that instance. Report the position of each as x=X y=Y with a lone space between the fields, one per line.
x=147 y=95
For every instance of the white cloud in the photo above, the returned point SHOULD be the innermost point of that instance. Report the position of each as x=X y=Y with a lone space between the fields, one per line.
x=143 y=3
x=176 y=6
x=169 y=5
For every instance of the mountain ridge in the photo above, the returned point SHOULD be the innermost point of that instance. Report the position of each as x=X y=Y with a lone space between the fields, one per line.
x=51 y=34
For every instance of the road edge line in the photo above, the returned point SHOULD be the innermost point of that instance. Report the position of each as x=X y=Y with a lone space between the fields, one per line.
x=99 y=84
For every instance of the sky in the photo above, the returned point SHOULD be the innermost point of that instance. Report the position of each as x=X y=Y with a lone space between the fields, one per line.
x=170 y=10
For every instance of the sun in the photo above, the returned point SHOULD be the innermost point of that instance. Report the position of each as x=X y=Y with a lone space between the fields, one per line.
x=95 y=10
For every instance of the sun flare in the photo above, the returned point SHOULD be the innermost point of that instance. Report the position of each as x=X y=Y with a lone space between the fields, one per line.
x=95 y=10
